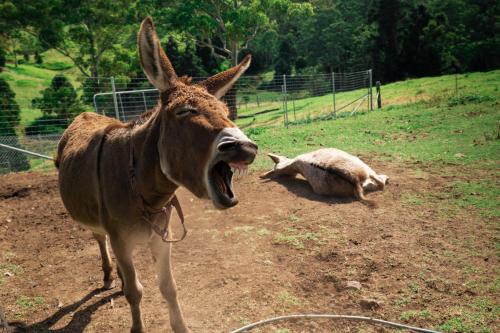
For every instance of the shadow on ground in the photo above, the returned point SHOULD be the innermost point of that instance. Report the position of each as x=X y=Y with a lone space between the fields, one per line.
x=79 y=320
x=301 y=188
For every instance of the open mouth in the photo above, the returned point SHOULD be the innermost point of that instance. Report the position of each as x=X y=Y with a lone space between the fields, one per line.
x=221 y=182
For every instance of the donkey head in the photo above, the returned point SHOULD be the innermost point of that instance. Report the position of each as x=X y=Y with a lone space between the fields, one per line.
x=198 y=146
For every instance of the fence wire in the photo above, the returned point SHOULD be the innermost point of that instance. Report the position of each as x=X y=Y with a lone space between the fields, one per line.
x=35 y=119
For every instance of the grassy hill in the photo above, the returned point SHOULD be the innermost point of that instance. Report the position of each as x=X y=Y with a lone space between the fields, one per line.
x=27 y=80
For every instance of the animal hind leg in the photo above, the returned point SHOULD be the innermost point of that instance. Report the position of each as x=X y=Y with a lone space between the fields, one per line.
x=132 y=288
x=161 y=251
x=107 y=268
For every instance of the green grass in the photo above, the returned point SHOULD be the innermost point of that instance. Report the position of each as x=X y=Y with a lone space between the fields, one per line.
x=476 y=87
x=29 y=302
x=441 y=131
x=419 y=132
x=412 y=314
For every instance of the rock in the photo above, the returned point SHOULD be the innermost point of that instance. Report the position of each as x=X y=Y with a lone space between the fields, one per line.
x=8 y=274
x=369 y=304
x=355 y=285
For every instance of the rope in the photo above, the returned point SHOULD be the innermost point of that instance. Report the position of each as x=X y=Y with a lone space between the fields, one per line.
x=331 y=316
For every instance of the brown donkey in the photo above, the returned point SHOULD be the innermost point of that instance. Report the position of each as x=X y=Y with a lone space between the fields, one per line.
x=119 y=179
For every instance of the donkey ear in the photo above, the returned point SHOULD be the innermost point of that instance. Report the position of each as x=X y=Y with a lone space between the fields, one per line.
x=276 y=158
x=219 y=84
x=154 y=61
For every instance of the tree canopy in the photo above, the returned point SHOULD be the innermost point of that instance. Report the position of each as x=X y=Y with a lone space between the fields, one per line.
x=397 y=38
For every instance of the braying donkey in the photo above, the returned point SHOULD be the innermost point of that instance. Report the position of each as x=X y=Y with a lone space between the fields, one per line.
x=119 y=179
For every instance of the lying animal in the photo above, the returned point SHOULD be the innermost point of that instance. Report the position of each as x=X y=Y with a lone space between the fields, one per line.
x=330 y=171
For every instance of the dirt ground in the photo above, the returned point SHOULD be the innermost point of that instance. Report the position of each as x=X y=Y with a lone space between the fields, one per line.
x=282 y=250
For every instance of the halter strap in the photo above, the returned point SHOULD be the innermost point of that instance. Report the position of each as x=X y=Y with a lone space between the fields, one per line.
x=149 y=212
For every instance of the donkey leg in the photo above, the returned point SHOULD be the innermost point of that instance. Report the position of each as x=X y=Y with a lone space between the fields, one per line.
x=132 y=288
x=107 y=268
x=161 y=253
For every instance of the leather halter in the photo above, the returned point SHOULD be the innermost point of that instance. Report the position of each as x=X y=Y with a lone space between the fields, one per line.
x=148 y=212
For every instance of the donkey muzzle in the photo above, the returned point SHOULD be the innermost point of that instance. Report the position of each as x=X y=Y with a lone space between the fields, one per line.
x=233 y=151
x=238 y=151
x=234 y=146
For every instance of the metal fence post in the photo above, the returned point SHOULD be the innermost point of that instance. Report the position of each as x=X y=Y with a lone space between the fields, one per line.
x=144 y=100
x=333 y=93
x=285 y=99
x=370 y=92
x=283 y=105
x=115 y=101
x=122 y=108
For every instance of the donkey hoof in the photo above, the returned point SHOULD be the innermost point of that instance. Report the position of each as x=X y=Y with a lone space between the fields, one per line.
x=109 y=284
x=137 y=330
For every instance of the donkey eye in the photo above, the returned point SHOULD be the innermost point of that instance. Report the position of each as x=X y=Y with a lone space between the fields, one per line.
x=182 y=112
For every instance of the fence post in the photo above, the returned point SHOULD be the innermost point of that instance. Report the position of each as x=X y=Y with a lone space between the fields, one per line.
x=379 y=96
x=95 y=103
x=144 y=100
x=115 y=101
x=285 y=99
x=333 y=92
x=370 y=91
x=283 y=105
x=122 y=108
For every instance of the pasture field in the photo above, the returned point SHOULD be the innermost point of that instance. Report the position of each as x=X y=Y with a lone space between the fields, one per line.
x=428 y=255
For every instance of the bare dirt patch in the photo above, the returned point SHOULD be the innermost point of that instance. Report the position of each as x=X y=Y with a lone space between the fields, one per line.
x=282 y=250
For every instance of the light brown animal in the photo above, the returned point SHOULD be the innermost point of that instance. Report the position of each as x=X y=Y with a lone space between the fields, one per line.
x=330 y=171
x=114 y=177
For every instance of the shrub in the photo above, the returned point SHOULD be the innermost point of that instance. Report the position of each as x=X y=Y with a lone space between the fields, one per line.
x=9 y=118
x=60 y=99
x=468 y=99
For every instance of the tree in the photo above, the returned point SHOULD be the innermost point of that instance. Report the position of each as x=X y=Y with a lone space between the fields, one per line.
x=59 y=99
x=59 y=104
x=226 y=27
x=388 y=17
x=9 y=119
x=84 y=31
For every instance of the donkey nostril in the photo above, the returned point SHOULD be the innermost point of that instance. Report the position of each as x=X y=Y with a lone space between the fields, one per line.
x=225 y=146
x=251 y=145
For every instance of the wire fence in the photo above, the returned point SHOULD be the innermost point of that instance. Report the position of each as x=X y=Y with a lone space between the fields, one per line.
x=35 y=118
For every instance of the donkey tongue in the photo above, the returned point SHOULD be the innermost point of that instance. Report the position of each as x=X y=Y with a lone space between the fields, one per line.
x=221 y=184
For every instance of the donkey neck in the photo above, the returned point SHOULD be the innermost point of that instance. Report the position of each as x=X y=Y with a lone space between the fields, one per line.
x=152 y=184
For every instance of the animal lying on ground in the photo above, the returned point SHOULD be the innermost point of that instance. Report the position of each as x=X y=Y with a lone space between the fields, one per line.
x=331 y=172
x=119 y=179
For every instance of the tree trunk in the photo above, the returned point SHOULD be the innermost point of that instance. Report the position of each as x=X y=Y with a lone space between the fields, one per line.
x=15 y=52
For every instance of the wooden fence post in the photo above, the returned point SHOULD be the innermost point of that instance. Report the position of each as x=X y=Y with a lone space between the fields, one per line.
x=379 y=95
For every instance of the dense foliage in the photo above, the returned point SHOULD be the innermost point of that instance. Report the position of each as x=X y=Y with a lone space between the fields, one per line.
x=9 y=118
x=398 y=38
x=59 y=104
